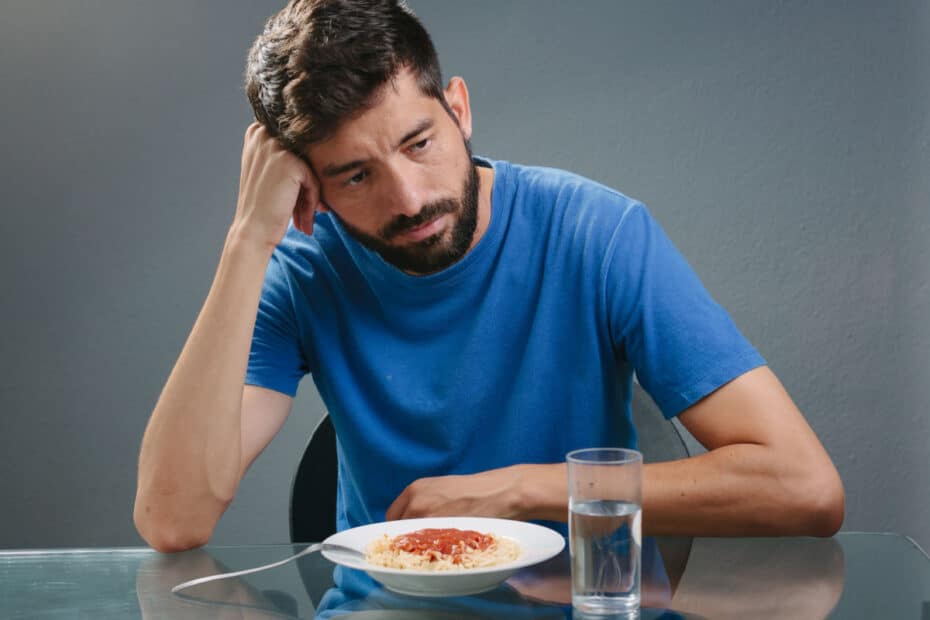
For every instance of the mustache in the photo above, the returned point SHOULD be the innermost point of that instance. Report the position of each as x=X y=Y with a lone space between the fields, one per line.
x=403 y=223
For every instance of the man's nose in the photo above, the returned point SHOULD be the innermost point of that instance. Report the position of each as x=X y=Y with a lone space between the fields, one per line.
x=406 y=194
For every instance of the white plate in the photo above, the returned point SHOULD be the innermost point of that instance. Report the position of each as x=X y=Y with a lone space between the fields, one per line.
x=537 y=544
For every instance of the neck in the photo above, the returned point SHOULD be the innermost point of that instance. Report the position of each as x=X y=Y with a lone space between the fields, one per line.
x=485 y=187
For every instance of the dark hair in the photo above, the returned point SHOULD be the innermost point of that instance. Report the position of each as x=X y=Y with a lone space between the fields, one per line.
x=321 y=62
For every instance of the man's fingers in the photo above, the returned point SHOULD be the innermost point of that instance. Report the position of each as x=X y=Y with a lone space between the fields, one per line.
x=396 y=510
x=308 y=201
x=303 y=215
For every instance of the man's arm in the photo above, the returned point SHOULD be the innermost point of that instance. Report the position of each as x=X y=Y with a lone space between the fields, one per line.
x=207 y=428
x=765 y=474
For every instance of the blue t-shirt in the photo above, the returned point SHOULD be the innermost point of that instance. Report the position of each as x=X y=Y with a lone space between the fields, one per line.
x=519 y=353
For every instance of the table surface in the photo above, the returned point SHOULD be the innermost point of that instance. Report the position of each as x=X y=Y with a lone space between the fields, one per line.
x=852 y=575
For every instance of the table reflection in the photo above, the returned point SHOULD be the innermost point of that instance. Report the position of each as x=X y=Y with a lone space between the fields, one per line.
x=539 y=592
x=225 y=598
x=711 y=578
x=762 y=578
x=852 y=576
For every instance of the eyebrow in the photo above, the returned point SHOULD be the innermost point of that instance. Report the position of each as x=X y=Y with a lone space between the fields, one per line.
x=335 y=170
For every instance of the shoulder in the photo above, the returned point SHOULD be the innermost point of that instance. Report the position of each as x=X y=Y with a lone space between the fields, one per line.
x=576 y=210
x=569 y=193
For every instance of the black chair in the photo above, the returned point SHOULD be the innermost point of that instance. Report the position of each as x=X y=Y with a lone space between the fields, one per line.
x=313 y=502
x=313 y=491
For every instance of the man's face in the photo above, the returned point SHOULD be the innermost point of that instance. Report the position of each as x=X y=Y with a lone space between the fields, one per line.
x=401 y=180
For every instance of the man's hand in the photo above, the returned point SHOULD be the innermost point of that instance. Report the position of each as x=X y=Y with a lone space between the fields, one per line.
x=517 y=492
x=274 y=185
x=491 y=493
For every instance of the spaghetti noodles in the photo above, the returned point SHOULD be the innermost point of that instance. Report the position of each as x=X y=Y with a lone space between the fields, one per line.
x=442 y=549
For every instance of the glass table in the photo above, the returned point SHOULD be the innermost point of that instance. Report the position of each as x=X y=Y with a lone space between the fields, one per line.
x=852 y=575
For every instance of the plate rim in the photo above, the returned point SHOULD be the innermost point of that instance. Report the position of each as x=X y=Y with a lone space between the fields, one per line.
x=523 y=561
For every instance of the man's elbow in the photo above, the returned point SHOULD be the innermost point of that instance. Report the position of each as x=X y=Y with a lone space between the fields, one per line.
x=825 y=506
x=168 y=535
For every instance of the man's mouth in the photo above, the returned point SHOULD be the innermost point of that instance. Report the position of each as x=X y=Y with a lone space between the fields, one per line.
x=425 y=230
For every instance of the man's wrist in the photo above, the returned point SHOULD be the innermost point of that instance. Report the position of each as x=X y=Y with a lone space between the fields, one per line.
x=542 y=491
x=243 y=242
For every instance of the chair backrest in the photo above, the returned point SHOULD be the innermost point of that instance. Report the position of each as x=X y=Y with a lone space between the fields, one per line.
x=313 y=491
x=659 y=439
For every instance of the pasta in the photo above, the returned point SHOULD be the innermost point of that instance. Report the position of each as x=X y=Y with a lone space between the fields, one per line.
x=441 y=550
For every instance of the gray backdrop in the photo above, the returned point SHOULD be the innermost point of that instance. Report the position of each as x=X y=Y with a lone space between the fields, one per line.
x=784 y=146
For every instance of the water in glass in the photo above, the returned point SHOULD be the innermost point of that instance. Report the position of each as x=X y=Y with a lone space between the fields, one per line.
x=605 y=538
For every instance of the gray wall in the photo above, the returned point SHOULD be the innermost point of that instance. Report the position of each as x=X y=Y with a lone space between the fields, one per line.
x=785 y=147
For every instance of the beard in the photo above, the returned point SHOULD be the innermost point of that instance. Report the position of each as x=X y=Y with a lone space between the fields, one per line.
x=438 y=251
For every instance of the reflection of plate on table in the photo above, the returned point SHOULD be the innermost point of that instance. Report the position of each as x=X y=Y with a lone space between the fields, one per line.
x=536 y=543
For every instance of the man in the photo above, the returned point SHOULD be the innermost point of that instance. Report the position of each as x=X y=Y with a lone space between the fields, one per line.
x=467 y=322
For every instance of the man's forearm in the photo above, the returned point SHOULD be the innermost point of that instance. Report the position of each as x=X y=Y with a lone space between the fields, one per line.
x=739 y=490
x=190 y=461
x=736 y=490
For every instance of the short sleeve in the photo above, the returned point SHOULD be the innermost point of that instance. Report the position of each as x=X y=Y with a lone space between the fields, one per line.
x=682 y=344
x=276 y=361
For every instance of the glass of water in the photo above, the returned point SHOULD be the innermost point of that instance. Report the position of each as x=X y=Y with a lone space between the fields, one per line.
x=605 y=494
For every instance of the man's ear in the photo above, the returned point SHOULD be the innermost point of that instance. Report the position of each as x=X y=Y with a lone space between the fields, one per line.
x=457 y=99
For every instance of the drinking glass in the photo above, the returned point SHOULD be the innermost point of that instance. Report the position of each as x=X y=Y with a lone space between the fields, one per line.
x=605 y=494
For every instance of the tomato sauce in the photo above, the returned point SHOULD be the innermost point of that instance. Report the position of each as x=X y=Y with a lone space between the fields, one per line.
x=437 y=542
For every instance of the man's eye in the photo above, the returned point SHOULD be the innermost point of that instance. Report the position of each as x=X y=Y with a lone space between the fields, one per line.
x=357 y=178
x=419 y=146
